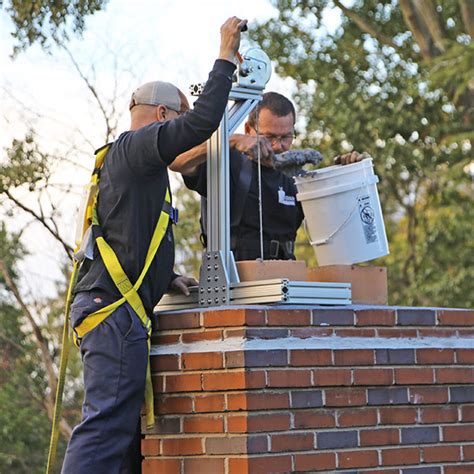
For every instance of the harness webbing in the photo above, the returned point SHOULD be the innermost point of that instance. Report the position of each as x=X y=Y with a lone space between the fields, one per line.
x=128 y=291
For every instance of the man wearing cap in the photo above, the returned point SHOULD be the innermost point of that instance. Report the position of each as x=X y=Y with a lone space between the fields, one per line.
x=132 y=189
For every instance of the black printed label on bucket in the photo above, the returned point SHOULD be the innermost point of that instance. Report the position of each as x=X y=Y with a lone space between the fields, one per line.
x=367 y=218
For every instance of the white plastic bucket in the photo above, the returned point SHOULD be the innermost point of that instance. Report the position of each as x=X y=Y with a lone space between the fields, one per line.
x=343 y=214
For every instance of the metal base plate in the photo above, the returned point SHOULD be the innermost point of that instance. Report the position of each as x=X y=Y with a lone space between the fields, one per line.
x=276 y=291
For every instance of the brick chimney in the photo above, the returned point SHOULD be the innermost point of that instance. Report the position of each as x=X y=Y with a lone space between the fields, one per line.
x=354 y=389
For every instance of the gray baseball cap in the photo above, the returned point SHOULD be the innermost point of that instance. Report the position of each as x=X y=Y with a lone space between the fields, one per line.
x=155 y=93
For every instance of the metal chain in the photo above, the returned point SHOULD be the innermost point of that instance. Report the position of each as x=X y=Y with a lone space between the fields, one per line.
x=259 y=176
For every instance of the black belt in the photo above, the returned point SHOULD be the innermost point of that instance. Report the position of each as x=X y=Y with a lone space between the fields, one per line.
x=271 y=248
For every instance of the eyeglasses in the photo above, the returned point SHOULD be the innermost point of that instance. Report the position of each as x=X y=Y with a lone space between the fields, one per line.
x=278 y=138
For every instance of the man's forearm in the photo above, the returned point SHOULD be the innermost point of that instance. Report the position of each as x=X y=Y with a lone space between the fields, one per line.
x=188 y=162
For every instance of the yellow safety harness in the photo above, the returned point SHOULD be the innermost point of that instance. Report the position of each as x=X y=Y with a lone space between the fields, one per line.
x=128 y=291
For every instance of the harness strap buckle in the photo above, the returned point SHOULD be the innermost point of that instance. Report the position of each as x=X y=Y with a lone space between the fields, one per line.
x=76 y=338
x=174 y=215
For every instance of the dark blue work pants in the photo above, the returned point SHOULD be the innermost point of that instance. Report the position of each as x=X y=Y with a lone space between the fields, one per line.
x=114 y=355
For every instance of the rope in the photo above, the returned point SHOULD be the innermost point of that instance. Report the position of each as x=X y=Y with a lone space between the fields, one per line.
x=259 y=177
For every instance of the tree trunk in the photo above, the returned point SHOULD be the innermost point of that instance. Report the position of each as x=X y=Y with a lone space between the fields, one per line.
x=418 y=28
x=427 y=11
x=467 y=13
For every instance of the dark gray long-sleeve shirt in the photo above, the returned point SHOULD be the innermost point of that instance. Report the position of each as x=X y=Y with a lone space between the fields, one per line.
x=133 y=183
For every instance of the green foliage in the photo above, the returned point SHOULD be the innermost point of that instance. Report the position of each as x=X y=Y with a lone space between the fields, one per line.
x=355 y=91
x=25 y=165
x=11 y=250
x=46 y=22
x=187 y=232
x=24 y=425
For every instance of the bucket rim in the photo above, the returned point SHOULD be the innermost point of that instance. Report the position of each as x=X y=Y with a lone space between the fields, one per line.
x=333 y=171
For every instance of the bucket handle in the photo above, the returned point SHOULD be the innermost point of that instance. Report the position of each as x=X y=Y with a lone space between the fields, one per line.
x=325 y=241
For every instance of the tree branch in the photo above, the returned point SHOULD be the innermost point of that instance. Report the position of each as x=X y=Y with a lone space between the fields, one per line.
x=418 y=29
x=69 y=250
x=467 y=13
x=426 y=9
x=109 y=128
x=365 y=26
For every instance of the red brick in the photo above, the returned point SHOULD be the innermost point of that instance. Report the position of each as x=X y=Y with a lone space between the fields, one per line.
x=373 y=376
x=242 y=332
x=357 y=417
x=315 y=462
x=202 y=360
x=425 y=395
x=467 y=413
x=224 y=381
x=235 y=359
x=204 y=335
x=237 y=424
x=203 y=465
x=397 y=333
x=354 y=357
x=355 y=332
x=312 y=358
x=150 y=447
x=255 y=317
x=402 y=456
x=441 y=454
x=292 y=442
x=305 y=333
x=397 y=415
x=458 y=433
x=468 y=452
x=456 y=318
x=314 y=419
x=158 y=382
x=437 y=332
x=260 y=465
x=454 y=375
x=209 y=403
x=203 y=424
x=358 y=458
x=227 y=445
x=435 y=356
x=272 y=422
x=163 y=466
x=178 y=321
x=332 y=377
x=182 y=446
x=379 y=437
x=175 y=405
x=164 y=363
x=439 y=414
x=255 y=379
x=414 y=376
x=457 y=469
x=341 y=398
x=376 y=317
x=224 y=318
x=289 y=378
x=465 y=356
x=159 y=339
x=258 y=401
x=294 y=317
x=182 y=383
